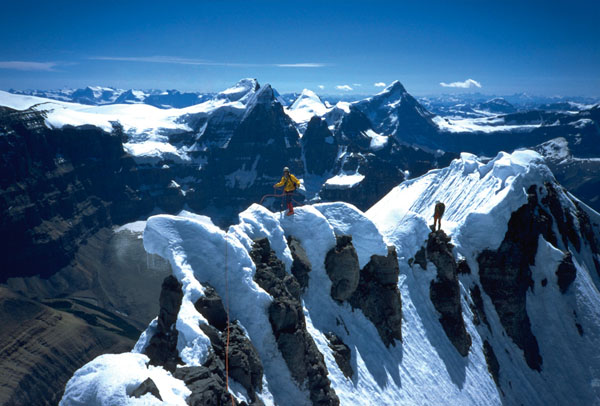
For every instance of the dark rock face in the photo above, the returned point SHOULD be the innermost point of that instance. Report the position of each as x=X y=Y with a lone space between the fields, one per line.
x=305 y=362
x=320 y=147
x=211 y=307
x=206 y=382
x=587 y=231
x=58 y=187
x=162 y=349
x=505 y=274
x=380 y=176
x=492 y=362
x=245 y=365
x=478 y=310
x=341 y=353
x=148 y=386
x=564 y=219
x=463 y=267
x=445 y=291
x=378 y=296
x=566 y=272
x=301 y=265
x=341 y=264
x=421 y=258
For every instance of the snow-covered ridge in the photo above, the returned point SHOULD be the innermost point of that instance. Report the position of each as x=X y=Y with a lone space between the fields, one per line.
x=424 y=368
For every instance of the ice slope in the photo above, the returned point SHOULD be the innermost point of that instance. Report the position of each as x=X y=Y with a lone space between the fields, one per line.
x=480 y=198
x=424 y=368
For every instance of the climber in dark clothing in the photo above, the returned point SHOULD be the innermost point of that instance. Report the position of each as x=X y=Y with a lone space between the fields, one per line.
x=437 y=215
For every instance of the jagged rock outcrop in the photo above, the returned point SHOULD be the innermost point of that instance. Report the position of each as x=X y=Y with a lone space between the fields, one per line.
x=211 y=307
x=445 y=291
x=148 y=386
x=341 y=353
x=378 y=296
x=505 y=274
x=492 y=362
x=319 y=146
x=301 y=265
x=301 y=354
x=162 y=349
x=245 y=366
x=341 y=264
x=206 y=382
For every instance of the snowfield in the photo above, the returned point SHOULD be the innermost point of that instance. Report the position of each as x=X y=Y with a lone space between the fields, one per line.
x=423 y=369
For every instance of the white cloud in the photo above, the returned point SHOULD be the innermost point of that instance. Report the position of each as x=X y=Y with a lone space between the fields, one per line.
x=201 y=62
x=28 y=66
x=321 y=87
x=356 y=84
x=344 y=88
x=300 y=65
x=463 y=85
x=379 y=84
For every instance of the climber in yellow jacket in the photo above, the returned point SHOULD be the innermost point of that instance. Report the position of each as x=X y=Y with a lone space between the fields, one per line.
x=290 y=183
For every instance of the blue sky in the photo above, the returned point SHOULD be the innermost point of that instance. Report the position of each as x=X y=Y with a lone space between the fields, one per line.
x=539 y=47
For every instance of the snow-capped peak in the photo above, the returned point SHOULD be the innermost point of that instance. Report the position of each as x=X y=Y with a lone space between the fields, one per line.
x=307 y=105
x=241 y=91
x=307 y=98
x=394 y=88
x=264 y=95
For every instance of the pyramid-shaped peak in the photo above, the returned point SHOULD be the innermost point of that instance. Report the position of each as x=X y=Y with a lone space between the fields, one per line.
x=394 y=88
x=309 y=99
x=264 y=96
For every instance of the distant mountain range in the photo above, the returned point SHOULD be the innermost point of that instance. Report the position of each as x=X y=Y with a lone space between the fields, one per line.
x=439 y=104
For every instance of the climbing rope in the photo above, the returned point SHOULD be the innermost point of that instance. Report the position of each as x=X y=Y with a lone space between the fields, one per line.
x=227 y=311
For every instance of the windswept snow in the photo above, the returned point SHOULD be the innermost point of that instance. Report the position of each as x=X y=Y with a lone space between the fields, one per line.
x=110 y=379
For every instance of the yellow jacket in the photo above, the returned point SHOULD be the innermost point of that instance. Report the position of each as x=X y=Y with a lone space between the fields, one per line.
x=290 y=182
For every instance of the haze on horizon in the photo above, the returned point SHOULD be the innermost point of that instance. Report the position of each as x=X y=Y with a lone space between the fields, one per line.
x=335 y=47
